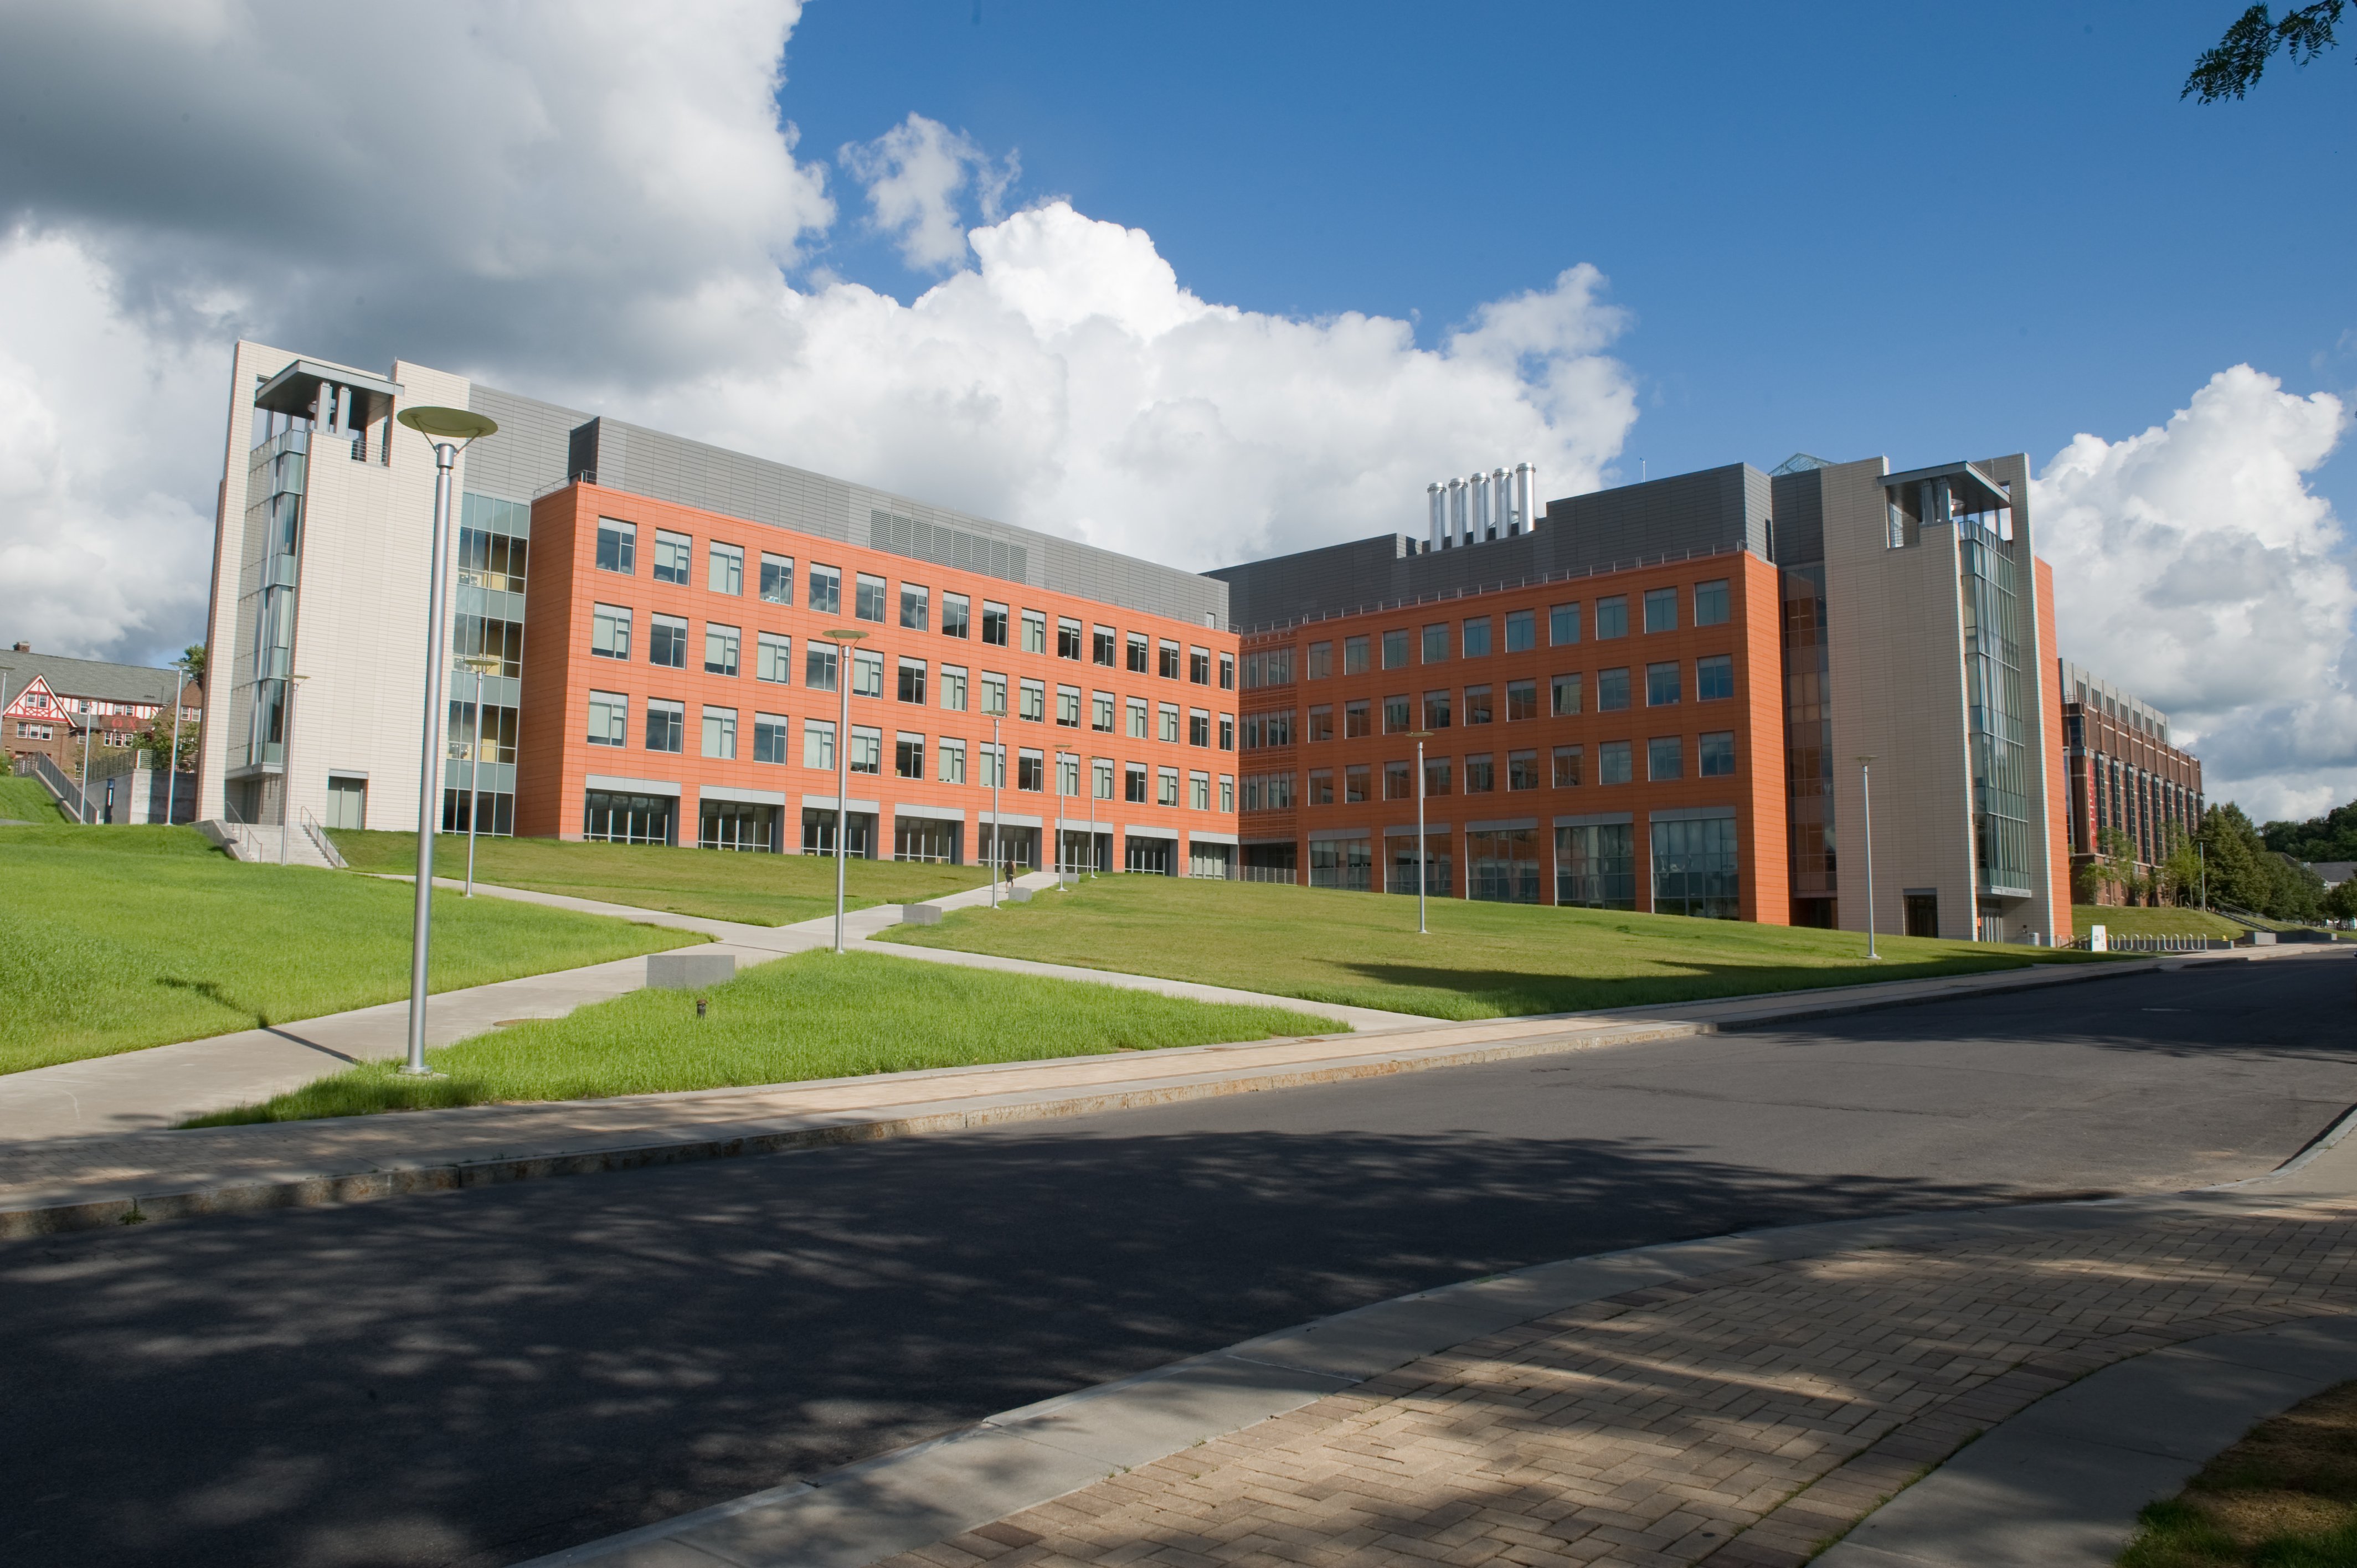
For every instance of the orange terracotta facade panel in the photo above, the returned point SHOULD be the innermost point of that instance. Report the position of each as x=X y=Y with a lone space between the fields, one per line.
x=2058 y=777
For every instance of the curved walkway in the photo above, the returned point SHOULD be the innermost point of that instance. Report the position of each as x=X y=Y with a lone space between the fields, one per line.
x=1740 y=1400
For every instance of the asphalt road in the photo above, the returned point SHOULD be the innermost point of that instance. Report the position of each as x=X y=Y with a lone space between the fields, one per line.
x=478 y=1377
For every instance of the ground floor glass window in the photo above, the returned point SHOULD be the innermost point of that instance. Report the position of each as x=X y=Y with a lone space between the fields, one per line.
x=1346 y=864
x=1502 y=866
x=1596 y=866
x=1694 y=869
x=611 y=817
x=1439 y=864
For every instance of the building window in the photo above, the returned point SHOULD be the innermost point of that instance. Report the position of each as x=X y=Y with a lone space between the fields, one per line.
x=1137 y=709
x=868 y=600
x=1199 y=666
x=1566 y=767
x=1478 y=710
x=1711 y=603
x=1662 y=685
x=1356 y=781
x=1068 y=639
x=673 y=551
x=724 y=569
x=1436 y=644
x=1167 y=713
x=667 y=725
x=1101 y=778
x=1227 y=671
x=1133 y=783
x=1198 y=791
x=1395 y=649
x=991 y=762
x=1199 y=727
x=818 y=744
x=1480 y=774
x=908 y=755
x=1661 y=609
x=1521 y=771
x=774 y=659
x=610 y=632
x=825 y=589
x=1436 y=709
x=1595 y=866
x=1167 y=660
x=1522 y=631
x=1354 y=656
x=916 y=607
x=1611 y=618
x=955 y=610
x=1101 y=712
x=1665 y=758
x=1031 y=771
x=1034 y=702
x=1563 y=625
x=1321 y=787
x=1035 y=631
x=777 y=578
x=1166 y=786
x=1714 y=678
x=1521 y=700
x=1358 y=720
x=1228 y=793
x=994 y=624
x=1612 y=762
x=721 y=644
x=1398 y=714
x=1067 y=775
x=1104 y=647
x=994 y=694
x=618 y=546
x=1717 y=754
x=1227 y=732
x=720 y=732
x=1612 y=690
x=609 y=718
x=954 y=687
x=1694 y=869
x=609 y=817
x=1141 y=653
x=769 y=739
x=1436 y=776
x=1321 y=722
x=912 y=683
x=1068 y=707
x=867 y=750
x=667 y=644
x=1477 y=637
x=1501 y=865
x=1319 y=665
x=949 y=761
x=867 y=673
x=819 y=665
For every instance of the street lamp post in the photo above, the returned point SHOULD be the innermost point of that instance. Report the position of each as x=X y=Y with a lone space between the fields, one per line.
x=997 y=777
x=481 y=665
x=844 y=640
x=81 y=790
x=286 y=769
x=449 y=431
x=172 y=777
x=1865 y=793
x=1422 y=877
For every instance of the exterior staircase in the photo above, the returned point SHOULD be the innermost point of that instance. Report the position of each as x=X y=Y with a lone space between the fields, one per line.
x=260 y=844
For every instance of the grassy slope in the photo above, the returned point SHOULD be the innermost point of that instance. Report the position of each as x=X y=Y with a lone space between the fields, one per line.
x=112 y=939
x=812 y=1015
x=761 y=889
x=1481 y=961
x=23 y=799
x=2141 y=922
x=2284 y=1497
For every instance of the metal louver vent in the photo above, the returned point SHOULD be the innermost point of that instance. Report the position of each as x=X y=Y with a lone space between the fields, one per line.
x=948 y=546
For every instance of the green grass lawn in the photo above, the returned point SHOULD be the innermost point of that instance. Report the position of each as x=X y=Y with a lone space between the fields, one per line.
x=112 y=939
x=23 y=799
x=2142 y=923
x=1481 y=961
x=759 y=889
x=815 y=1015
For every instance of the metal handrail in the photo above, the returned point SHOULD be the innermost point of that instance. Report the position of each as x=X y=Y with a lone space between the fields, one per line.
x=69 y=794
x=319 y=835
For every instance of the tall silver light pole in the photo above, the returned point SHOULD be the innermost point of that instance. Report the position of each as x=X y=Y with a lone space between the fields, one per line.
x=449 y=431
x=1060 y=820
x=480 y=665
x=997 y=777
x=172 y=777
x=1422 y=877
x=81 y=790
x=1865 y=792
x=844 y=640
x=287 y=768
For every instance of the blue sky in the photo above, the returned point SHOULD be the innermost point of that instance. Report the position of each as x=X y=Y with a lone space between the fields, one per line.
x=1923 y=232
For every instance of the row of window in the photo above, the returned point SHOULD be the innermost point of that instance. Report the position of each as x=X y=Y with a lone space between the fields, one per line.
x=1695 y=868
x=1476 y=636
x=1713 y=681
x=664 y=729
x=618 y=546
x=1564 y=769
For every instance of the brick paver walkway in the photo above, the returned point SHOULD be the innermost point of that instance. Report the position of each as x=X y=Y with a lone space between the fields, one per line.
x=1743 y=1418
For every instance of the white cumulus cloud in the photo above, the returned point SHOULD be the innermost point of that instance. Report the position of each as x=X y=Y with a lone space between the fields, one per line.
x=2194 y=565
x=915 y=174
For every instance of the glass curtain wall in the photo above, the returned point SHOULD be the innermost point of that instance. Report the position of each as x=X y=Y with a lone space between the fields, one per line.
x=1596 y=866
x=1346 y=864
x=1809 y=748
x=1694 y=869
x=487 y=576
x=1503 y=865
x=1995 y=700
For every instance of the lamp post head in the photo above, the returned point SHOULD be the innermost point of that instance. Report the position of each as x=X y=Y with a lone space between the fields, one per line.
x=841 y=634
x=481 y=663
x=459 y=425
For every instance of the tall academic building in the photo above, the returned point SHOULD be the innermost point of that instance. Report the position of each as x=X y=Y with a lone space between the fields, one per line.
x=1652 y=698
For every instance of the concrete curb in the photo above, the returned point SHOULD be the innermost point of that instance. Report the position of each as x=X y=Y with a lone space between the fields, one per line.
x=1020 y=1458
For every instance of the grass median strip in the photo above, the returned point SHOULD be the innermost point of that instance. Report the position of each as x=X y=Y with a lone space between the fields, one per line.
x=115 y=939
x=815 y=1015
x=2140 y=921
x=758 y=889
x=1481 y=961
x=2284 y=1497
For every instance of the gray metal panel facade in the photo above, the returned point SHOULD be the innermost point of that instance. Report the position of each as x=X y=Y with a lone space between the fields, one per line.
x=527 y=453
x=1799 y=509
x=1716 y=508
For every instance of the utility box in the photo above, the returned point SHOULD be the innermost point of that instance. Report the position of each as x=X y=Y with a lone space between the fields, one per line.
x=2098 y=940
x=1018 y=894
x=2263 y=939
x=689 y=970
x=922 y=914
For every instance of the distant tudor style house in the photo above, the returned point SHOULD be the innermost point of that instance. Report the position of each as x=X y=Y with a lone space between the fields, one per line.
x=49 y=705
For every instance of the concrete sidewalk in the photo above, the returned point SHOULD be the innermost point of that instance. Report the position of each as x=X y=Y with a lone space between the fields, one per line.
x=1738 y=1400
x=71 y=1183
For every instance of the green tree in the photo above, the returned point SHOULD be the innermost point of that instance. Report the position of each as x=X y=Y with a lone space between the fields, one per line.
x=2234 y=850
x=2115 y=864
x=2180 y=869
x=2294 y=892
x=2340 y=904
x=2233 y=67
